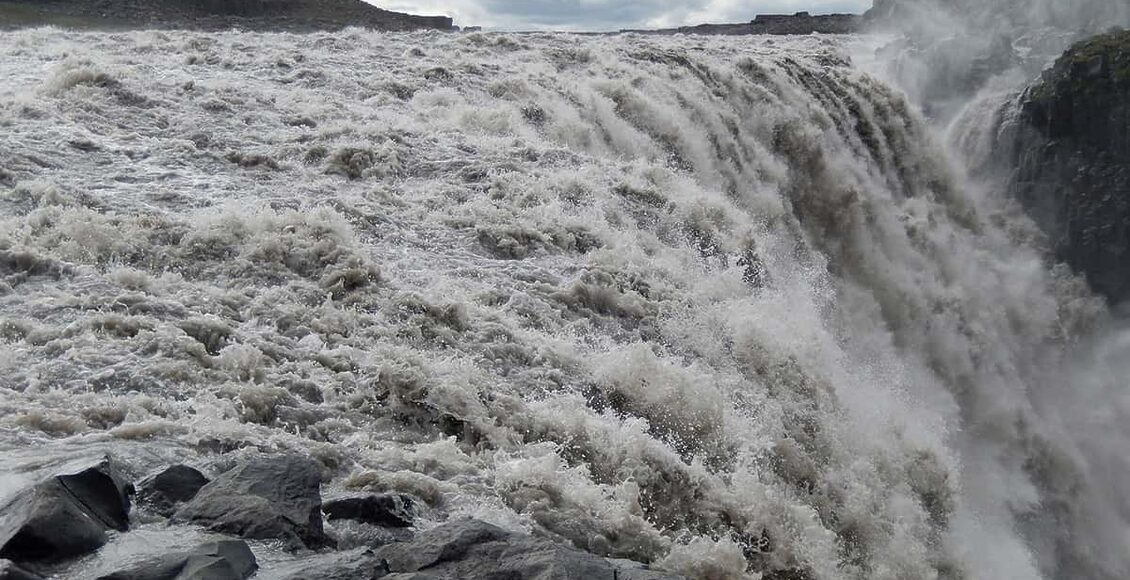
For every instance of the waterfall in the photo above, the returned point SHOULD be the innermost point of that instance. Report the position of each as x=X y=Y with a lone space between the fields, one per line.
x=727 y=306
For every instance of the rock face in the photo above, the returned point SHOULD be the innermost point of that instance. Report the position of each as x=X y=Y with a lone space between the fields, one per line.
x=223 y=560
x=66 y=515
x=266 y=498
x=1072 y=159
x=264 y=15
x=164 y=491
x=474 y=549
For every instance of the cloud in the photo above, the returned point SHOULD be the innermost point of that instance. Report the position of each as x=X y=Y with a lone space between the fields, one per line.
x=610 y=14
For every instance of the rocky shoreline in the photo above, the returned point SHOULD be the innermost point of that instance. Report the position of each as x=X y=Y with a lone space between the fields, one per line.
x=87 y=506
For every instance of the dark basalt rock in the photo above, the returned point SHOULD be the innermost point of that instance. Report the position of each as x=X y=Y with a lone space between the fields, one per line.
x=1071 y=152
x=223 y=560
x=164 y=491
x=389 y=510
x=274 y=497
x=66 y=515
x=474 y=549
x=10 y=571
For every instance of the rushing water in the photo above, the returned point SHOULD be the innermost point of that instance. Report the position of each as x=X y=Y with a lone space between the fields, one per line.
x=723 y=305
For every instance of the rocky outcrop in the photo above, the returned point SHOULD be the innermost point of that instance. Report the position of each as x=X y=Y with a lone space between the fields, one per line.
x=1071 y=151
x=805 y=23
x=778 y=24
x=262 y=15
x=275 y=497
x=67 y=514
x=222 y=560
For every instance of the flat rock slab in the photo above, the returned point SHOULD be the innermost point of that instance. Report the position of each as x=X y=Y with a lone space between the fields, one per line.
x=66 y=514
x=221 y=560
x=275 y=497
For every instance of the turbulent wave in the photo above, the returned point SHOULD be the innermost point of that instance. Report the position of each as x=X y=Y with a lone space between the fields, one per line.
x=722 y=306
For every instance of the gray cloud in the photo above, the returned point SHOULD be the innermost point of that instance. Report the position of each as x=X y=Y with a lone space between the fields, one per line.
x=610 y=14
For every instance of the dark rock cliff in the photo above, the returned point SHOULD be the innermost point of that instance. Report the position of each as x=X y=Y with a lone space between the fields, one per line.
x=263 y=15
x=1071 y=151
x=778 y=24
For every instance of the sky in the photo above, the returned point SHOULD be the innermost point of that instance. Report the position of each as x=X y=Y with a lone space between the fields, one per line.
x=600 y=15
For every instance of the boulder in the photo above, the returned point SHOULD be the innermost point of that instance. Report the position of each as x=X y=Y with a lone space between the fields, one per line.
x=66 y=514
x=390 y=510
x=164 y=491
x=475 y=549
x=10 y=571
x=222 y=560
x=273 y=497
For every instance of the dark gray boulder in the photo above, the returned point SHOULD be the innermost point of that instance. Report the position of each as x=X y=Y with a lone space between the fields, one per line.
x=164 y=491
x=65 y=515
x=273 y=497
x=474 y=549
x=222 y=560
x=10 y=571
x=392 y=510
x=356 y=564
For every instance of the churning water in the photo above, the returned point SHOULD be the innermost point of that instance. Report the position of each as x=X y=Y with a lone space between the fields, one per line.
x=723 y=305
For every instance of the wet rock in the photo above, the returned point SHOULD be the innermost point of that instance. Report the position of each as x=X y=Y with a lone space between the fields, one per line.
x=474 y=549
x=391 y=510
x=1071 y=156
x=67 y=514
x=275 y=497
x=164 y=491
x=222 y=560
x=10 y=571
x=357 y=564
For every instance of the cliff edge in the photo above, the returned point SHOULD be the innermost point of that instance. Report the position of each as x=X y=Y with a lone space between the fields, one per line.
x=1072 y=160
x=259 y=15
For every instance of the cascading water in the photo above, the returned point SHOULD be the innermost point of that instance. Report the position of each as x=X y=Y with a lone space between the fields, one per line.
x=722 y=306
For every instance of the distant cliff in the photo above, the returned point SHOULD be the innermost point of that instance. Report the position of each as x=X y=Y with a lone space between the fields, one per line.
x=265 y=15
x=799 y=23
x=1071 y=151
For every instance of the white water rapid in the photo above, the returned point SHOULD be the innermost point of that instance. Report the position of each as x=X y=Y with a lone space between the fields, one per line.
x=721 y=305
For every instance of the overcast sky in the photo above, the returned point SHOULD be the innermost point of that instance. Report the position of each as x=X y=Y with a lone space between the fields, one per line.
x=610 y=14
